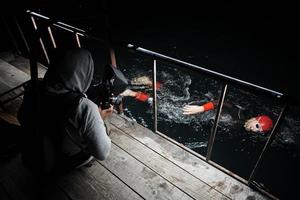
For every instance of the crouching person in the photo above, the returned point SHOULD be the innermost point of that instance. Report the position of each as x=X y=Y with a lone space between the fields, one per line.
x=68 y=131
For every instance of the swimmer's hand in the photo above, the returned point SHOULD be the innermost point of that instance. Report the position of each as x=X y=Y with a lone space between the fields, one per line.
x=143 y=80
x=128 y=93
x=192 y=109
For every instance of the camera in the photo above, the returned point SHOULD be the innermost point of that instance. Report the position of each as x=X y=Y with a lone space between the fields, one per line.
x=107 y=91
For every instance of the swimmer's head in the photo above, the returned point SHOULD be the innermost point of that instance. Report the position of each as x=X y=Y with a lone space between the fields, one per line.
x=261 y=123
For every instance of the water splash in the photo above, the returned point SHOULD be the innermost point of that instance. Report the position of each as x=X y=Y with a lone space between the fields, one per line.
x=178 y=90
x=194 y=145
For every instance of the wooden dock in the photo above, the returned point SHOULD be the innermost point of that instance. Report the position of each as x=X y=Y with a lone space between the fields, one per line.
x=141 y=165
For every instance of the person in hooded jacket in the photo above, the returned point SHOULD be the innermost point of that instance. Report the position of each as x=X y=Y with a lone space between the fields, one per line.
x=71 y=130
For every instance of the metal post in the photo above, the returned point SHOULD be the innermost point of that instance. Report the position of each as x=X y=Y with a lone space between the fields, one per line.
x=154 y=96
x=77 y=40
x=268 y=143
x=34 y=77
x=113 y=59
x=216 y=122
x=51 y=37
x=40 y=39
x=34 y=81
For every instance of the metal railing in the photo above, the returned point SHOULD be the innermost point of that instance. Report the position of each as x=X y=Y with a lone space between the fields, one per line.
x=224 y=79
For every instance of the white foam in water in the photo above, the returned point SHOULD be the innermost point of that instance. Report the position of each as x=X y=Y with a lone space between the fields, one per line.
x=175 y=93
x=193 y=145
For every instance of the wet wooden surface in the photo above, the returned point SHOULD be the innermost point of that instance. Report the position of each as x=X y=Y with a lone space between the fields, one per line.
x=141 y=165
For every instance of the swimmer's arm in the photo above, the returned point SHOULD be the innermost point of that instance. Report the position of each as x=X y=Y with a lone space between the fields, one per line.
x=194 y=109
x=140 y=96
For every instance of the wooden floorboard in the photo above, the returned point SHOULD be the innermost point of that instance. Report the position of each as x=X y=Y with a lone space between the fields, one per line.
x=225 y=184
x=10 y=107
x=3 y=194
x=178 y=177
x=95 y=183
x=20 y=184
x=22 y=64
x=11 y=75
x=146 y=182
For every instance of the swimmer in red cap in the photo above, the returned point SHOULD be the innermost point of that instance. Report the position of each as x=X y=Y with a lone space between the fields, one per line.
x=261 y=123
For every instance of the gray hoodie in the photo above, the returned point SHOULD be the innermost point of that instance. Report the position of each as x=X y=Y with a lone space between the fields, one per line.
x=72 y=72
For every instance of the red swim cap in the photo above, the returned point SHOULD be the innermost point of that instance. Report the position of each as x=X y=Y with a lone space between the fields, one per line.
x=265 y=122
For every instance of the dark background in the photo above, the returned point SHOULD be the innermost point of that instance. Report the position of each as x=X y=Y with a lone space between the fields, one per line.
x=254 y=41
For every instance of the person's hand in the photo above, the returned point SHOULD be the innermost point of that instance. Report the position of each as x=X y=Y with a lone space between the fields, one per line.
x=106 y=112
x=129 y=93
x=253 y=125
x=143 y=80
x=192 y=109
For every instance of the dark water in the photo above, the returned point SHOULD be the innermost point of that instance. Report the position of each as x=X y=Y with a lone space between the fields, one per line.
x=250 y=48
x=234 y=148
x=251 y=42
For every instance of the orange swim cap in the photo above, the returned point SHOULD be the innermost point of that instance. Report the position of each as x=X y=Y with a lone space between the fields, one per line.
x=265 y=122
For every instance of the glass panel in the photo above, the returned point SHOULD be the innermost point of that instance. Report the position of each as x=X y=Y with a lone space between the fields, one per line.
x=137 y=68
x=182 y=87
x=278 y=172
x=236 y=148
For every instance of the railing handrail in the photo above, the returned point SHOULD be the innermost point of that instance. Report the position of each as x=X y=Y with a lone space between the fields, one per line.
x=207 y=71
x=215 y=74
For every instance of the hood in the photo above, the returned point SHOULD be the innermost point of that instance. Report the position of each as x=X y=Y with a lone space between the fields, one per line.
x=70 y=70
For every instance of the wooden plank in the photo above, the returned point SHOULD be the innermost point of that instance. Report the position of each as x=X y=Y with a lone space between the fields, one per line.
x=11 y=75
x=141 y=179
x=20 y=184
x=95 y=182
x=23 y=64
x=51 y=191
x=9 y=117
x=217 y=179
x=5 y=87
x=26 y=191
x=13 y=190
x=3 y=194
x=17 y=181
x=174 y=174
x=7 y=56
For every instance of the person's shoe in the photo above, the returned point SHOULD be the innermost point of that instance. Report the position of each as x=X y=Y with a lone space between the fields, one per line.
x=80 y=159
x=85 y=163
